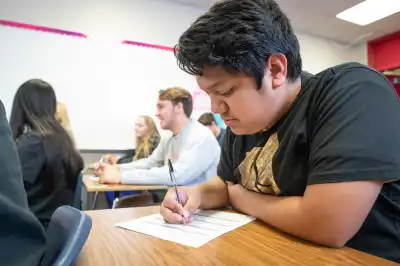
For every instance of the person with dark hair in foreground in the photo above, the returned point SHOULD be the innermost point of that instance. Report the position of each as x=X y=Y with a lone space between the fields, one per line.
x=315 y=156
x=49 y=161
x=208 y=120
x=23 y=239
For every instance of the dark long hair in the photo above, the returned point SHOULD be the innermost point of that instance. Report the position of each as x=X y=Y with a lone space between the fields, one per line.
x=34 y=109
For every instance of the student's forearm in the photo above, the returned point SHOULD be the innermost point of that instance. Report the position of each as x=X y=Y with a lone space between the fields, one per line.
x=214 y=194
x=140 y=164
x=287 y=214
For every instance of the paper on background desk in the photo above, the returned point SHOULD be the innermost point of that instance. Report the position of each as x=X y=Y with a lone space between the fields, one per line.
x=94 y=178
x=206 y=226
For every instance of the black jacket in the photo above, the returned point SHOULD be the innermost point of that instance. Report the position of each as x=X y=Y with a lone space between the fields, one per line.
x=49 y=181
x=22 y=238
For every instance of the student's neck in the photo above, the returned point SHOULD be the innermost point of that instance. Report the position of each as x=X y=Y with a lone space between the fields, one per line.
x=293 y=91
x=179 y=125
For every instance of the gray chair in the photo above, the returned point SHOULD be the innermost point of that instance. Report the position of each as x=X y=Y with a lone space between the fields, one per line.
x=68 y=231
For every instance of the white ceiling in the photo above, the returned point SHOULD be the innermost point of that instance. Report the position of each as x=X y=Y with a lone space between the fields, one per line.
x=318 y=18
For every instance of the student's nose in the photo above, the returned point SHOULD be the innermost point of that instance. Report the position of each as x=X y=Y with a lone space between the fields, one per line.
x=218 y=106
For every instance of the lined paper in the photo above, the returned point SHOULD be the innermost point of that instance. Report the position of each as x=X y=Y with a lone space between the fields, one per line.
x=206 y=226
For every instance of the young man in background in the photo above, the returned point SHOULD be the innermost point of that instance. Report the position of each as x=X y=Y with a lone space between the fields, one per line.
x=315 y=156
x=192 y=148
x=208 y=120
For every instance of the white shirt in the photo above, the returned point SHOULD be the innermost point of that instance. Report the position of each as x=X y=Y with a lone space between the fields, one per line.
x=194 y=153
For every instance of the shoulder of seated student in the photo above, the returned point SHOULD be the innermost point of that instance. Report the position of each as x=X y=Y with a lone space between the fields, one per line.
x=30 y=138
x=348 y=81
x=202 y=133
x=201 y=130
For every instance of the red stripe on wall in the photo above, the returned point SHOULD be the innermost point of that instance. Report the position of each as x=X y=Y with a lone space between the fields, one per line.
x=148 y=45
x=40 y=28
x=76 y=34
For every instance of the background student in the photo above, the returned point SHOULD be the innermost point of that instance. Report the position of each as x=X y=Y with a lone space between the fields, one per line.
x=50 y=163
x=63 y=118
x=23 y=239
x=147 y=140
x=192 y=148
x=208 y=120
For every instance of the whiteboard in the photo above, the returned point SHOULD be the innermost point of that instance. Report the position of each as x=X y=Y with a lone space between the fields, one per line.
x=105 y=85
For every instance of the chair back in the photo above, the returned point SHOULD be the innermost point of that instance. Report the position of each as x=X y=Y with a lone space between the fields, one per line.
x=78 y=193
x=68 y=231
x=139 y=200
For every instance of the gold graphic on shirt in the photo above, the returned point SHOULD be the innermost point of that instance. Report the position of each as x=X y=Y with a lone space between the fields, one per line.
x=262 y=158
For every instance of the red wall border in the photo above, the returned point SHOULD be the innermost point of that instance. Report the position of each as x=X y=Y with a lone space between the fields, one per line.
x=26 y=26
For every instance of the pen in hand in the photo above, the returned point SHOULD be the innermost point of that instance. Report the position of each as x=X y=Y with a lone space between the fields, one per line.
x=173 y=180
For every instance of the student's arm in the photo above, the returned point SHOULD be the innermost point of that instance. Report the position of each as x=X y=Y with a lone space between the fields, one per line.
x=197 y=155
x=156 y=159
x=207 y=195
x=354 y=150
x=214 y=194
x=32 y=157
x=23 y=239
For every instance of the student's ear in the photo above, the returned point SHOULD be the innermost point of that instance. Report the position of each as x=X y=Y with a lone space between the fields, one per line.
x=180 y=107
x=277 y=66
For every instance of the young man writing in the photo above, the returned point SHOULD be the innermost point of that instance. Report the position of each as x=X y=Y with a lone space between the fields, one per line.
x=208 y=120
x=192 y=148
x=315 y=156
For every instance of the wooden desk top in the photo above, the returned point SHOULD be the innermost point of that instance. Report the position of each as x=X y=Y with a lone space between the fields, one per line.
x=93 y=186
x=252 y=244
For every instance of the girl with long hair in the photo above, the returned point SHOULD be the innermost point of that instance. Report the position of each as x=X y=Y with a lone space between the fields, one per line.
x=147 y=139
x=49 y=162
x=63 y=117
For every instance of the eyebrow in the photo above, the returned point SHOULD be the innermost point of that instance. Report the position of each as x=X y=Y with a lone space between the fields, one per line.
x=214 y=85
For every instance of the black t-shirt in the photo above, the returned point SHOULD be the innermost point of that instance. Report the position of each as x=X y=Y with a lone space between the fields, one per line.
x=343 y=126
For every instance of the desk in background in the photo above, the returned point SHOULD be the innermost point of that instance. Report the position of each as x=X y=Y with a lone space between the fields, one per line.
x=252 y=244
x=93 y=186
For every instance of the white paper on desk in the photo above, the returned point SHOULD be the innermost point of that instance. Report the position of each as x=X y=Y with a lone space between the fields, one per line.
x=206 y=226
x=94 y=178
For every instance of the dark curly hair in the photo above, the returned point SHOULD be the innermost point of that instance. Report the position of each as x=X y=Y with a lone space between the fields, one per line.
x=240 y=36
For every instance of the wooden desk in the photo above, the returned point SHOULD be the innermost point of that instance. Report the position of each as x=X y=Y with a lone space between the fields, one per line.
x=252 y=244
x=93 y=186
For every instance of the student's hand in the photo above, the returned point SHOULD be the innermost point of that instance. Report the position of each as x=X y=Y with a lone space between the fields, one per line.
x=173 y=212
x=98 y=168
x=110 y=174
x=110 y=159
x=107 y=158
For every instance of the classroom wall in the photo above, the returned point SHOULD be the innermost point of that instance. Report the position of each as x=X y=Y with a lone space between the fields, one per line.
x=152 y=21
